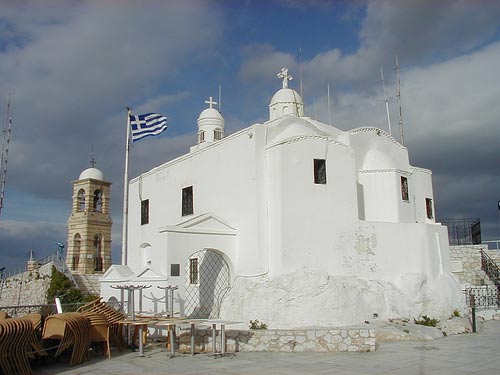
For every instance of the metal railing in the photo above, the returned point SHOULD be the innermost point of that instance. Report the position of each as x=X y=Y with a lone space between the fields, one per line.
x=48 y=309
x=490 y=268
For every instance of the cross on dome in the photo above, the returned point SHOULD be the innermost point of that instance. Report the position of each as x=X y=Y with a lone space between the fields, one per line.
x=210 y=102
x=285 y=76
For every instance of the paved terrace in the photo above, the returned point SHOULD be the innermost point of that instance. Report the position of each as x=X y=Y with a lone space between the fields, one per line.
x=473 y=353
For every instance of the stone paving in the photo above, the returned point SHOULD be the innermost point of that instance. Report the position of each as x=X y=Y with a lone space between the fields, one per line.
x=473 y=353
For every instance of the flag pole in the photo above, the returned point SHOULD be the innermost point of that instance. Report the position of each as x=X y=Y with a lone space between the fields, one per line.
x=125 y=193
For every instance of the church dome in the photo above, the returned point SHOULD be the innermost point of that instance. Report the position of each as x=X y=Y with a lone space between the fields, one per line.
x=92 y=173
x=286 y=101
x=211 y=115
x=286 y=96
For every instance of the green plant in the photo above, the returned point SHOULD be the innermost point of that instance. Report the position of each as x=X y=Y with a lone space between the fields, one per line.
x=60 y=286
x=426 y=321
x=255 y=324
x=456 y=313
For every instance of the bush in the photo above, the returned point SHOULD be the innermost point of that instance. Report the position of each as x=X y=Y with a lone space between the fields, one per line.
x=62 y=287
x=255 y=324
x=426 y=321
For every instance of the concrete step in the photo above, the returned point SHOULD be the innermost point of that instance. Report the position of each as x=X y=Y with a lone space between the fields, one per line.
x=88 y=284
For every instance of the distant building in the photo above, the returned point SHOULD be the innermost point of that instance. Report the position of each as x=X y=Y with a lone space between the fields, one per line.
x=292 y=222
x=89 y=225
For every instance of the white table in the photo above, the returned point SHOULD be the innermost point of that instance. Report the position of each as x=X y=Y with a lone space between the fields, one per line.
x=222 y=324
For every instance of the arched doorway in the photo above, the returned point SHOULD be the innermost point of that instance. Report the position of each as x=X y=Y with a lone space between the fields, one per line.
x=207 y=281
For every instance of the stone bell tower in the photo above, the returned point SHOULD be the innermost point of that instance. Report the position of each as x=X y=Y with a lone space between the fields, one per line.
x=89 y=226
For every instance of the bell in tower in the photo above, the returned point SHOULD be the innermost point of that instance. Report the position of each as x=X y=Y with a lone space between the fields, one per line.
x=89 y=226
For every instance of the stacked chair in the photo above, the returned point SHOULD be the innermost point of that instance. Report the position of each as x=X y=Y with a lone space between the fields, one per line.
x=113 y=318
x=72 y=329
x=18 y=342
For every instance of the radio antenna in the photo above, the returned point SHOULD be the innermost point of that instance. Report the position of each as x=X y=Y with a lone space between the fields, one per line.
x=398 y=95
x=386 y=101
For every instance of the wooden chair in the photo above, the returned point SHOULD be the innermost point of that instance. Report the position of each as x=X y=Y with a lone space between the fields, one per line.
x=99 y=330
x=73 y=330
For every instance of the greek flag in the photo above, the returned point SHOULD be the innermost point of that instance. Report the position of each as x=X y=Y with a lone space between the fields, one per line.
x=147 y=124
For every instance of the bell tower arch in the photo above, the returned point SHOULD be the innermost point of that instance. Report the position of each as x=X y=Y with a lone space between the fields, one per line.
x=89 y=225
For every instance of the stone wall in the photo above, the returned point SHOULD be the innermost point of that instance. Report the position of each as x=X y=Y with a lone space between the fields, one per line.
x=276 y=340
x=27 y=288
x=466 y=264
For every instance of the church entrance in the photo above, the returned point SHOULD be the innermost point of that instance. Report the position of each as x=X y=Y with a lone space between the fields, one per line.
x=207 y=281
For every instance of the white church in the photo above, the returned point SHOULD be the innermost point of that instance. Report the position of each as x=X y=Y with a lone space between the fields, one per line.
x=292 y=222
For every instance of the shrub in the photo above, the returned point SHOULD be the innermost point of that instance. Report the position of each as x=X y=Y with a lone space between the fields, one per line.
x=426 y=321
x=255 y=324
x=62 y=287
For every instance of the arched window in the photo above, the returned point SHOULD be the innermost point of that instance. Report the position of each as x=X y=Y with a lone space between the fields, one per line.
x=98 y=200
x=77 y=243
x=97 y=252
x=80 y=200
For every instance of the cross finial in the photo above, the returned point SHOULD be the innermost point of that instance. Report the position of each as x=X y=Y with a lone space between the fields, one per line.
x=285 y=76
x=92 y=159
x=210 y=102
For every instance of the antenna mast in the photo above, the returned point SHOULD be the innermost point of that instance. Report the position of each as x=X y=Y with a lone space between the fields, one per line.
x=329 y=108
x=220 y=98
x=398 y=95
x=300 y=71
x=5 y=151
x=386 y=101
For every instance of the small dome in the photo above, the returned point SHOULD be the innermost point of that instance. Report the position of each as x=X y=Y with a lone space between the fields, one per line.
x=93 y=173
x=286 y=96
x=210 y=114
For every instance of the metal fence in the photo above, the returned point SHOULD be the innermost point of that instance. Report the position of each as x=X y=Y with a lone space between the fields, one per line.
x=483 y=296
x=463 y=231
x=48 y=309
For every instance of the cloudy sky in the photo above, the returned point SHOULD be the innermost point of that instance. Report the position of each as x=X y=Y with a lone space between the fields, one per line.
x=72 y=67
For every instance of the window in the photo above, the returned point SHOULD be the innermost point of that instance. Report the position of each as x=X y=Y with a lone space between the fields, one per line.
x=193 y=271
x=201 y=136
x=320 y=171
x=187 y=201
x=97 y=252
x=175 y=270
x=77 y=243
x=428 y=208
x=404 y=189
x=145 y=211
x=98 y=201
x=80 y=200
x=217 y=134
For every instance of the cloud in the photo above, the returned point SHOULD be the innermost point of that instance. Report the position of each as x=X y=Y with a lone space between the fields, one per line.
x=73 y=70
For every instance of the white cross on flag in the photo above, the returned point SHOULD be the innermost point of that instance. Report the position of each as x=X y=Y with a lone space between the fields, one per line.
x=147 y=124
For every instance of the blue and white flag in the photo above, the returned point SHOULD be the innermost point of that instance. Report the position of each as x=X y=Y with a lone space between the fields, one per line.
x=147 y=124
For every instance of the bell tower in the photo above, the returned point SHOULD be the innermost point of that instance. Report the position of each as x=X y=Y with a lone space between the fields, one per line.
x=89 y=226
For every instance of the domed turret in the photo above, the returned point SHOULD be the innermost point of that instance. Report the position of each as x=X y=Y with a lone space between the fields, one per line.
x=286 y=101
x=93 y=173
x=210 y=124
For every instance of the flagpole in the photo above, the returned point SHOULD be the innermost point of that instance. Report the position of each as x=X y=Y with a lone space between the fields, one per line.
x=125 y=193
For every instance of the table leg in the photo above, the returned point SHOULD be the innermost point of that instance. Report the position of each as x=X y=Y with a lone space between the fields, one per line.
x=192 y=338
x=141 y=345
x=222 y=339
x=214 y=335
x=172 y=347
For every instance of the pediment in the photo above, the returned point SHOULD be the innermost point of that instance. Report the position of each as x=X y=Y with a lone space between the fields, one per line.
x=149 y=274
x=117 y=273
x=207 y=223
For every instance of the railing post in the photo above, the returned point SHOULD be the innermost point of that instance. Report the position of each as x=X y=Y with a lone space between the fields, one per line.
x=473 y=306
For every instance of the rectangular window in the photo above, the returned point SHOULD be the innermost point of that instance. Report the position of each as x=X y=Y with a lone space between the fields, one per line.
x=175 y=270
x=429 y=209
x=187 y=201
x=201 y=136
x=320 y=171
x=193 y=271
x=217 y=134
x=145 y=211
x=404 y=189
